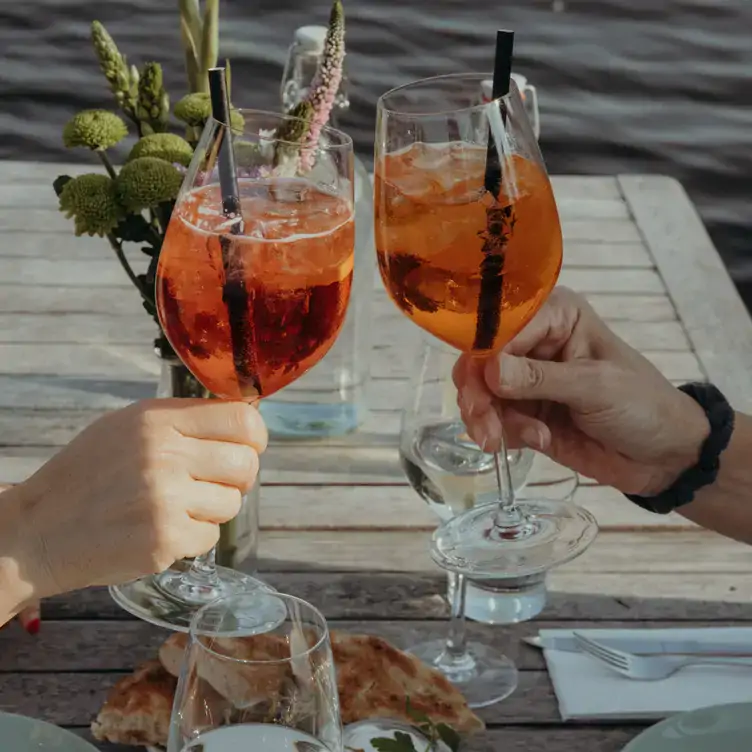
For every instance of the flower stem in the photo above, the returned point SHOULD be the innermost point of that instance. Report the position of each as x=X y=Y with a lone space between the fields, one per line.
x=118 y=248
x=107 y=164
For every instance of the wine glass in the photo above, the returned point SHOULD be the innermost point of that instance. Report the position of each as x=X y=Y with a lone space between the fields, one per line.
x=510 y=600
x=250 y=303
x=451 y=474
x=469 y=246
x=251 y=684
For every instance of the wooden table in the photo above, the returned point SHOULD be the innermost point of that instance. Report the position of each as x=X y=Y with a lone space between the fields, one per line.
x=340 y=525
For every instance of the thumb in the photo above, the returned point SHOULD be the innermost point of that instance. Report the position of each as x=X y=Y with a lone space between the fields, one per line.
x=571 y=383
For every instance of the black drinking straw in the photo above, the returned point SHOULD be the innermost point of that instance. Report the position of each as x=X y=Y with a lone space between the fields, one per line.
x=498 y=217
x=501 y=75
x=234 y=293
x=228 y=183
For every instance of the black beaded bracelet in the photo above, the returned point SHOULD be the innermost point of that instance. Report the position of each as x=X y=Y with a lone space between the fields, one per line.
x=721 y=418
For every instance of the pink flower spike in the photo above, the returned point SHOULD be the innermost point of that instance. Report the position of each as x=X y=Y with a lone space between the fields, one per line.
x=326 y=83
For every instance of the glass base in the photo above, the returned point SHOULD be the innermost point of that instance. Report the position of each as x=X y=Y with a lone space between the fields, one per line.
x=483 y=676
x=308 y=420
x=504 y=601
x=551 y=533
x=169 y=600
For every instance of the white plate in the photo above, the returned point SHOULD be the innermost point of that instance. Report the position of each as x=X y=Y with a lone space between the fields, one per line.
x=22 y=734
x=722 y=728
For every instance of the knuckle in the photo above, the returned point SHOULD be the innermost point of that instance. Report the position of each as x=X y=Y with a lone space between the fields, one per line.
x=533 y=374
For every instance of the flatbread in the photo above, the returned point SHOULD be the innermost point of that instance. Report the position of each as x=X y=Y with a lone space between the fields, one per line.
x=137 y=710
x=374 y=680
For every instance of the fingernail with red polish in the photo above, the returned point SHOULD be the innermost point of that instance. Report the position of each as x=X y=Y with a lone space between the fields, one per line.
x=33 y=626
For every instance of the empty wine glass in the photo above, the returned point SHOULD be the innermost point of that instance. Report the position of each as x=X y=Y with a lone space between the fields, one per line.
x=249 y=683
x=451 y=474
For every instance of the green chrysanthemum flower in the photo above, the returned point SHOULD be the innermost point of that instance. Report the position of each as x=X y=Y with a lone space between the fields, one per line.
x=166 y=146
x=91 y=200
x=94 y=129
x=147 y=182
x=195 y=109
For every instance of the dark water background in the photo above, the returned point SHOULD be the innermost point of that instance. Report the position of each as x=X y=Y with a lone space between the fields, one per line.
x=662 y=86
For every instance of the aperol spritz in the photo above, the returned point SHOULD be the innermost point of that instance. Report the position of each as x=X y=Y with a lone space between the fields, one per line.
x=250 y=313
x=250 y=299
x=432 y=233
x=469 y=245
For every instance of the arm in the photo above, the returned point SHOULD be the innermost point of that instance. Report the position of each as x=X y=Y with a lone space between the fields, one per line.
x=567 y=386
x=726 y=505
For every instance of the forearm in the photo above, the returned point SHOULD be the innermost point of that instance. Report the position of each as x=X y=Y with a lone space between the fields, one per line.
x=19 y=580
x=726 y=505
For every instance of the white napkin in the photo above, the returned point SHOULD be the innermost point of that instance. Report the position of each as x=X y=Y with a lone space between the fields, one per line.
x=586 y=689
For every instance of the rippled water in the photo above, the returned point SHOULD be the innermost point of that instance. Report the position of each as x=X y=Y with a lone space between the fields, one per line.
x=626 y=85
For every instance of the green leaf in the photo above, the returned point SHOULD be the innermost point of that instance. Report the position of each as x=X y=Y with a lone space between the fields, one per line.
x=59 y=183
x=133 y=229
x=402 y=742
x=209 y=39
x=449 y=736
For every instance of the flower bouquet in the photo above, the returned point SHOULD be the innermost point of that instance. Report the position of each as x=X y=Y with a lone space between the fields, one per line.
x=131 y=203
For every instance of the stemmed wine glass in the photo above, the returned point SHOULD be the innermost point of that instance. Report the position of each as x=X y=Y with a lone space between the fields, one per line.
x=250 y=684
x=451 y=474
x=469 y=246
x=250 y=302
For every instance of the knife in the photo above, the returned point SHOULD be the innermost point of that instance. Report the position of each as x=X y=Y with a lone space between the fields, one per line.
x=645 y=646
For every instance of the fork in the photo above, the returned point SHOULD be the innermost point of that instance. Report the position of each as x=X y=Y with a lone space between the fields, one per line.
x=652 y=667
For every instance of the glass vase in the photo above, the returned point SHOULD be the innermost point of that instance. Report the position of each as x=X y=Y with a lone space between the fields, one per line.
x=330 y=399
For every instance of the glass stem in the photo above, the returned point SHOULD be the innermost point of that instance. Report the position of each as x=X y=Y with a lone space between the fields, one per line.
x=456 y=644
x=203 y=571
x=508 y=514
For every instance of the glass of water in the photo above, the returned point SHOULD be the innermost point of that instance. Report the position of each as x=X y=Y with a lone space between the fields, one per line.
x=451 y=474
x=515 y=599
x=258 y=674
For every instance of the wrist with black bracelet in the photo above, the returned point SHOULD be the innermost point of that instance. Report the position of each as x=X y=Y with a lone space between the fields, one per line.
x=704 y=472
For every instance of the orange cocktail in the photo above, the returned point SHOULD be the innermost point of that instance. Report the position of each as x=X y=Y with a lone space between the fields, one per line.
x=432 y=225
x=250 y=313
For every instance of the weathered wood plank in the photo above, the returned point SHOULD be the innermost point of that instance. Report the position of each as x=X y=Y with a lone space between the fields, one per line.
x=713 y=314
x=607 y=255
x=75 y=698
x=94 y=301
x=408 y=551
x=395 y=596
x=585 y=186
x=640 y=308
x=50 y=220
x=584 y=265
x=64 y=246
x=72 y=646
x=571 y=208
x=399 y=507
x=390 y=364
x=15 y=172
x=390 y=329
x=591 y=230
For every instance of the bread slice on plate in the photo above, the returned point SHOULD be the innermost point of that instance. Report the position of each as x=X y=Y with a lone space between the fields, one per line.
x=137 y=710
